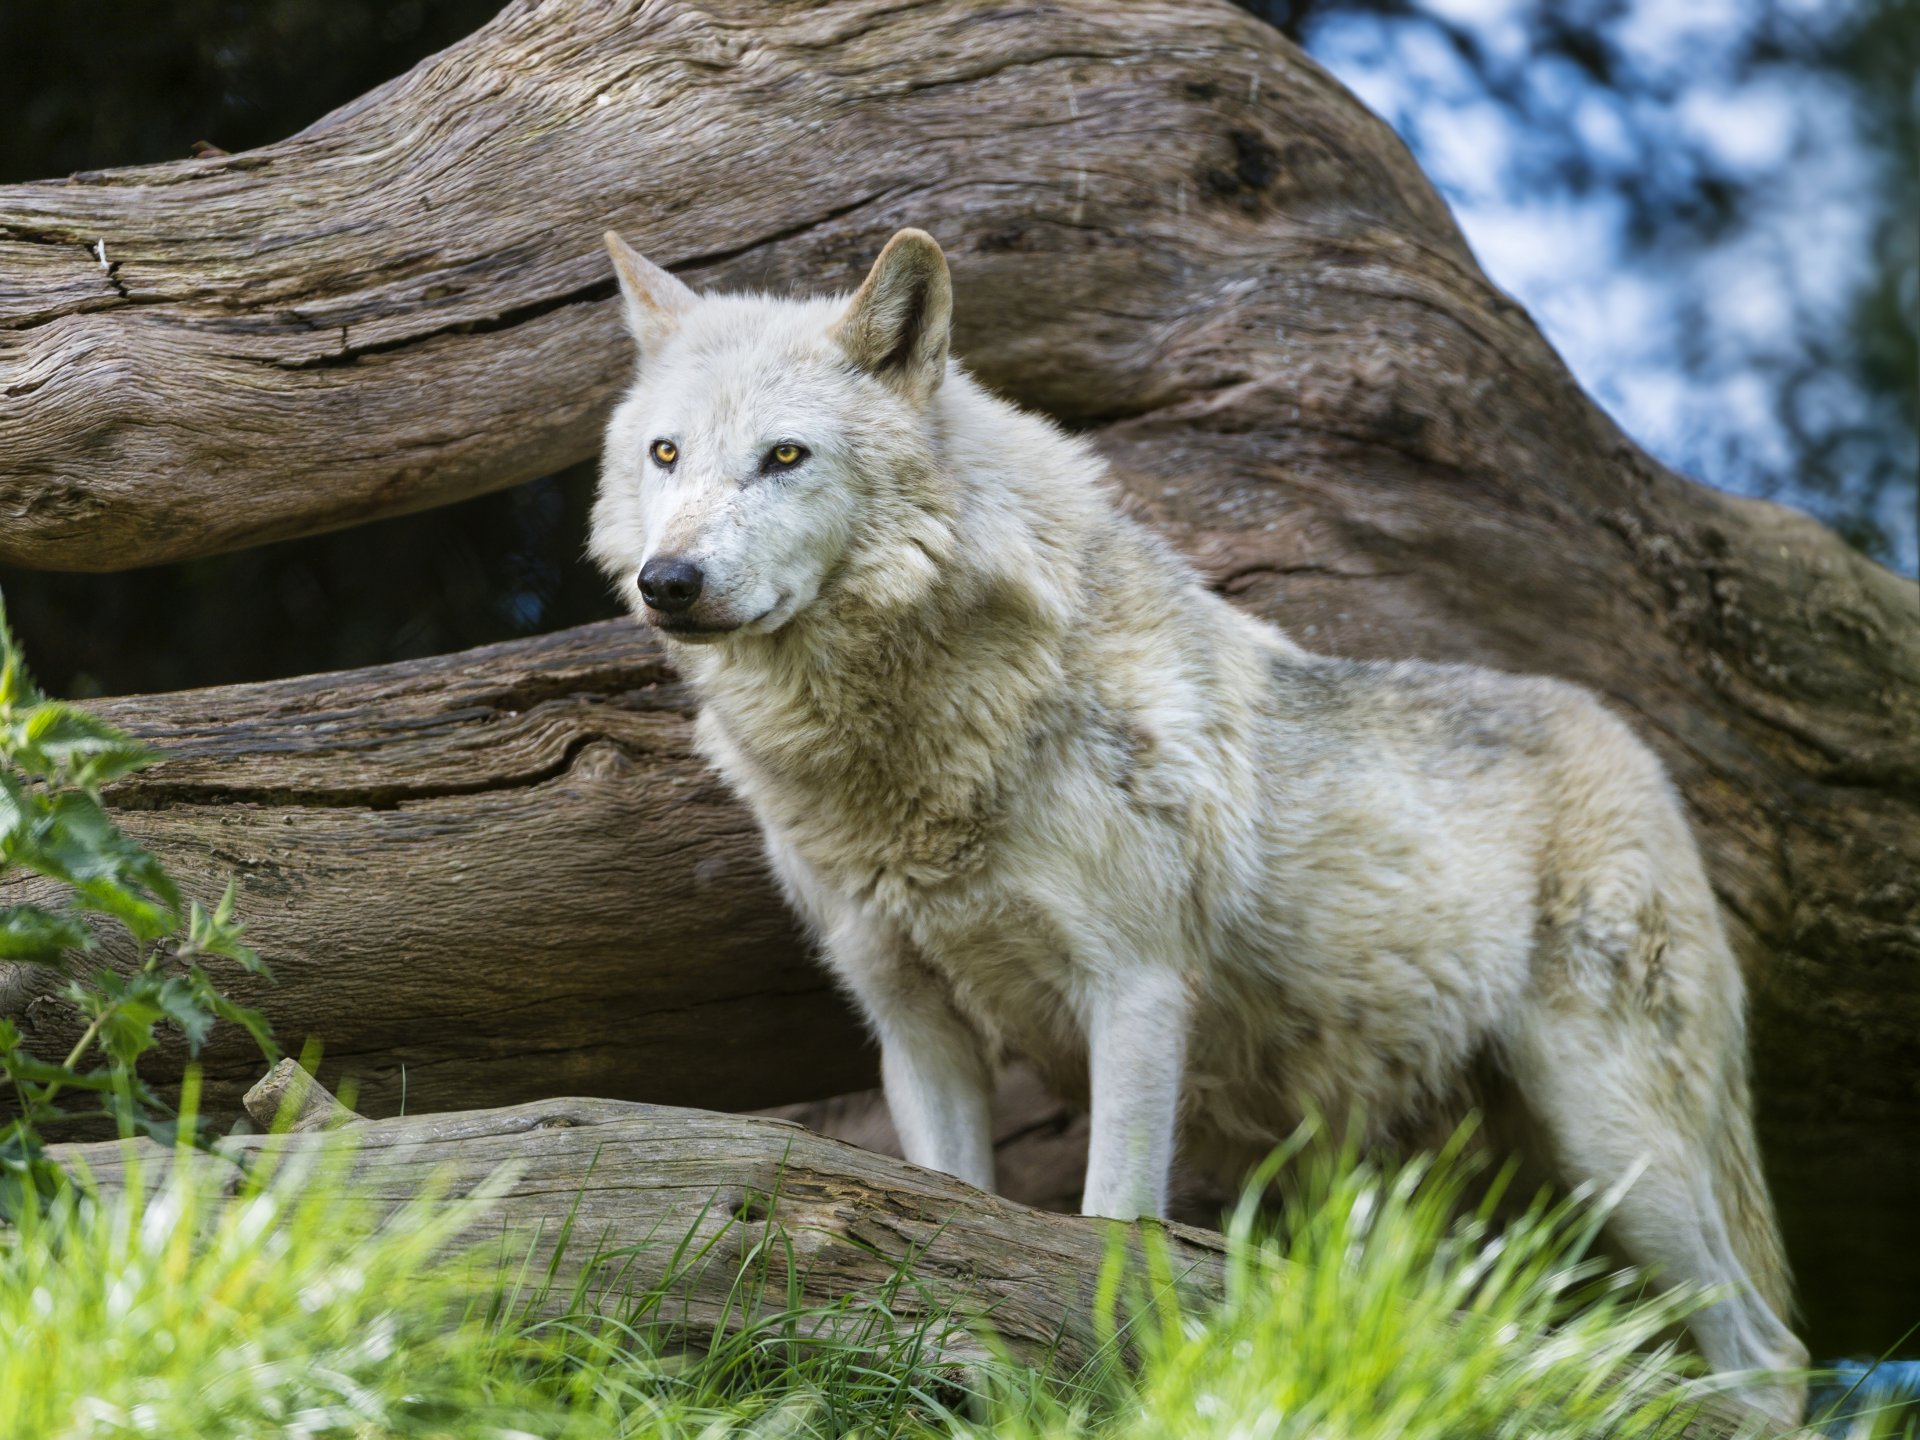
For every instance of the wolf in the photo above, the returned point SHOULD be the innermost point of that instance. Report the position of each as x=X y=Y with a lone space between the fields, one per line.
x=1036 y=791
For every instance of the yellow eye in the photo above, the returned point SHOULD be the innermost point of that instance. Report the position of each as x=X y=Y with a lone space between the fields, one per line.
x=665 y=452
x=787 y=454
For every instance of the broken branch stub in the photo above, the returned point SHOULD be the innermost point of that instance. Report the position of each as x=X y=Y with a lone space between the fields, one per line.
x=288 y=1098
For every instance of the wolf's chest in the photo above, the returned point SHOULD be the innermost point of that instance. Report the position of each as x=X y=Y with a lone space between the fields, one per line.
x=1007 y=963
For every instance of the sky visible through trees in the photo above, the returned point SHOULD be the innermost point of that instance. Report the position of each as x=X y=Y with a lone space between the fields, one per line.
x=1709 y=206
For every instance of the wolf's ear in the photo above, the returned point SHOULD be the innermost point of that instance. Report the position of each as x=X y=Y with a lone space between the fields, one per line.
x=896 y=329
x=654 y=300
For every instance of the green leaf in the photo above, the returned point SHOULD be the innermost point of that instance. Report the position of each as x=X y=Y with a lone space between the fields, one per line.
x=37 y=936
x=73 y=840
x=60 y=739
x=24 y=1169
x=253 y=1022
x=22 y=1066
x=218 y=933
x=185 y=1005
x=18 y=810
x=126 y=1030
x=16 y=686
x=146 y=918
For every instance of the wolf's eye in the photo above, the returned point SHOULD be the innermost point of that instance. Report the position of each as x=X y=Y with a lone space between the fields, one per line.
x=785 y=455
x=665 y=452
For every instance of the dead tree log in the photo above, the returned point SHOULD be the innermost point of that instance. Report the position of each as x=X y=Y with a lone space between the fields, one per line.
x=482 y=879
x=642 y=1178
x=1169 y=228
x=408 y=303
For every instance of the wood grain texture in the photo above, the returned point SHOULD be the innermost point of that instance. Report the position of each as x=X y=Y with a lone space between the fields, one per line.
x=484 y=878
x=642 y=1178
x=1168 y=227
x=290 y=1098
x=408 y=302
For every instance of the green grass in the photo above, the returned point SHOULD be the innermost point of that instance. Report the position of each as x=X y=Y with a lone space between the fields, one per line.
x=296 y=1308
x=1381 y=1304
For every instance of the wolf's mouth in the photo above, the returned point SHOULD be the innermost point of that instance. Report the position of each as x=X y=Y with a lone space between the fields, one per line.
x=682 y=628
x=689 y=629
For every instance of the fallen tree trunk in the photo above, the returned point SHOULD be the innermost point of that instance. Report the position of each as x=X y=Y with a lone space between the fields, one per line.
x=408 y=303
x=481 y=879
x=1169 y=228
x=636 y=1181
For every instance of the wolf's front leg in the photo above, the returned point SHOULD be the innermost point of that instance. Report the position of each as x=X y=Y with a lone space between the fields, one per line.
x=940 y=1094
x=933 y=1063
x=1137 y=1043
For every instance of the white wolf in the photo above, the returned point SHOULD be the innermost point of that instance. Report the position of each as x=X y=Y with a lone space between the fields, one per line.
x=1037 y=791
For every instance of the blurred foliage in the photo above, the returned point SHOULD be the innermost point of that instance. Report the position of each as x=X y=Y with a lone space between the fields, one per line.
x=1880 y=52
x=1693 y=141
x=53 y=760
x=115 y=82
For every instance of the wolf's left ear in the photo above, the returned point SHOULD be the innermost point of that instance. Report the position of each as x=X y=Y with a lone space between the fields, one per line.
x=897 y=327
x=654 y=299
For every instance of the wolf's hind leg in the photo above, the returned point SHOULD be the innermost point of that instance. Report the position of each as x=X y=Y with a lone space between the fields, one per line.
x=1609 y=1104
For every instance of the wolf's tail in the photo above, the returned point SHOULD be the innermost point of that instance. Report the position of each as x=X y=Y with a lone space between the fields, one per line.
x=1744 y=1201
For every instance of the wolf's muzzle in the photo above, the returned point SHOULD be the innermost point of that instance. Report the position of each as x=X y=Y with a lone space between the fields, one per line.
x=670 y=584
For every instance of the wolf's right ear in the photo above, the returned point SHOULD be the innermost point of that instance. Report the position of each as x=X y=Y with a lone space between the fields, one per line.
x=898 y=325
x=654 y=300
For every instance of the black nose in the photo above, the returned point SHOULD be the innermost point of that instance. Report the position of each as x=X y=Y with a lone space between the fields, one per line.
x=670 y=584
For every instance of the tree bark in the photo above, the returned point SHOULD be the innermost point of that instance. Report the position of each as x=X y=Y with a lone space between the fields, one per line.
x=408 y=302
x=638 y=1179
x=1170 y=229
x=480 y=879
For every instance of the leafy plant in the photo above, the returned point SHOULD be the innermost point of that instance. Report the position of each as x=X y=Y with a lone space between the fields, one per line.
x=54 y=758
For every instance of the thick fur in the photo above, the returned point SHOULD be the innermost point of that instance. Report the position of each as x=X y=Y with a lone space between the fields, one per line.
x=1037 y=791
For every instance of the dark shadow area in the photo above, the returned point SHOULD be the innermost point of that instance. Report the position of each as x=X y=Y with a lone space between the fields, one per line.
x=492 y=568
x=125 y=82
x=129 y=83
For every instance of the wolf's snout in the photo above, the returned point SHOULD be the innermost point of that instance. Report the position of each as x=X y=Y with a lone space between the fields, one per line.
x=670 y=584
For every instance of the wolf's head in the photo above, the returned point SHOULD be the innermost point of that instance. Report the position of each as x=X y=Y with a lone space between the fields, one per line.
x=774 y=451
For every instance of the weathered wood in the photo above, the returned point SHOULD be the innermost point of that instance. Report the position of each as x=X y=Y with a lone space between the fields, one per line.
x=641 y=1178
x=290 y=1098
x=408 y=302
x=1168 y=227
x=482 y=879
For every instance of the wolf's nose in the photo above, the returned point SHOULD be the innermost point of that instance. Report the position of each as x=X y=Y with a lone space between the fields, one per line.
x=670 y=584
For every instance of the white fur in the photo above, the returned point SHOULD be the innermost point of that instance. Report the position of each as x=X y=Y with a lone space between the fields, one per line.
x=1037 y=791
